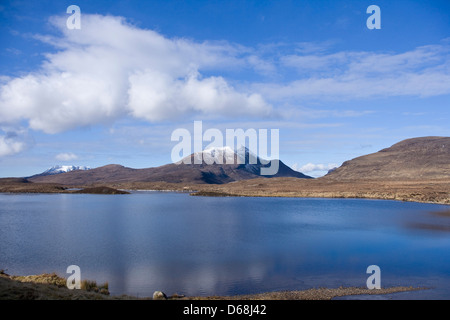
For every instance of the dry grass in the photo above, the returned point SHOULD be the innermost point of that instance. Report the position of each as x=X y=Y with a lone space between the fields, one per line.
x=92 y=286
x=421 y=190
x=46 y=278
x=429 y=191
x=48 y=287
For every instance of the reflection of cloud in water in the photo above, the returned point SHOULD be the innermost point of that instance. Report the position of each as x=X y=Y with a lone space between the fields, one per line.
x=143 y=280
x=224 y=246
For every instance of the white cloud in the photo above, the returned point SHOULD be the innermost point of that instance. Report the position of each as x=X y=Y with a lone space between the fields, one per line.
x=345 y=75
x=313 y=168
x=172 y=98
x=10 y=144
x=66 y=156
x=316 y=62
x=110 y=69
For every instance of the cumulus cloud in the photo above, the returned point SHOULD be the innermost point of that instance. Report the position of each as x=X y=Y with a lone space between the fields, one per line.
x=66 y=156
x=169 y=98
x=10 y=144
x=110 y=69
x=311 y=168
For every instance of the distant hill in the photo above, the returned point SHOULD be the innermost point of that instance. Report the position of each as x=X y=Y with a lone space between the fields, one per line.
x=416 y=158
x=174 y=173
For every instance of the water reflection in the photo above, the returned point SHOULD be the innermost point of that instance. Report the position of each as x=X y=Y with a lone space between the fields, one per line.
x=433 y=221
x=172 y=242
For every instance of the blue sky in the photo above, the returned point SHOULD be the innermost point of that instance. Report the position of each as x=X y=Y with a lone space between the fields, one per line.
x=115 y=90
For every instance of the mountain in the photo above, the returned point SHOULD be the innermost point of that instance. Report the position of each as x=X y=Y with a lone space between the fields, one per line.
x=246 y=165
x=416 y=158
x=181 y=172
x=61 y=169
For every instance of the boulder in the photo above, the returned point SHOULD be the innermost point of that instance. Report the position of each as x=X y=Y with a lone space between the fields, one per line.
x=159 y=295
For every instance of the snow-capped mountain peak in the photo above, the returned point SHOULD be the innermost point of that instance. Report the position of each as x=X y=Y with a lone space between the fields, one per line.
x=224 y=155
x=215 y=155
x=218 y=150
x=62 y=169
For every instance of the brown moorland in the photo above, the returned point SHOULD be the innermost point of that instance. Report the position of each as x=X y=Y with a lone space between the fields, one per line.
x=416 y=169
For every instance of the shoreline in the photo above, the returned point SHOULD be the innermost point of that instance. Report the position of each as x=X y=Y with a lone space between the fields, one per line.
x=313 y=294
x=317 y=196
x=421 y=191
x=52 y=287
x=201 y=194
x=213 y=194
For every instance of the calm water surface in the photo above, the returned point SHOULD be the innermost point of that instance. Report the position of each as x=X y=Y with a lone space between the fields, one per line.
x=149 y=241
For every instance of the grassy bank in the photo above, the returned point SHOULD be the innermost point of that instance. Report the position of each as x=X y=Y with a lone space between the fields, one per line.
x=48 y=287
